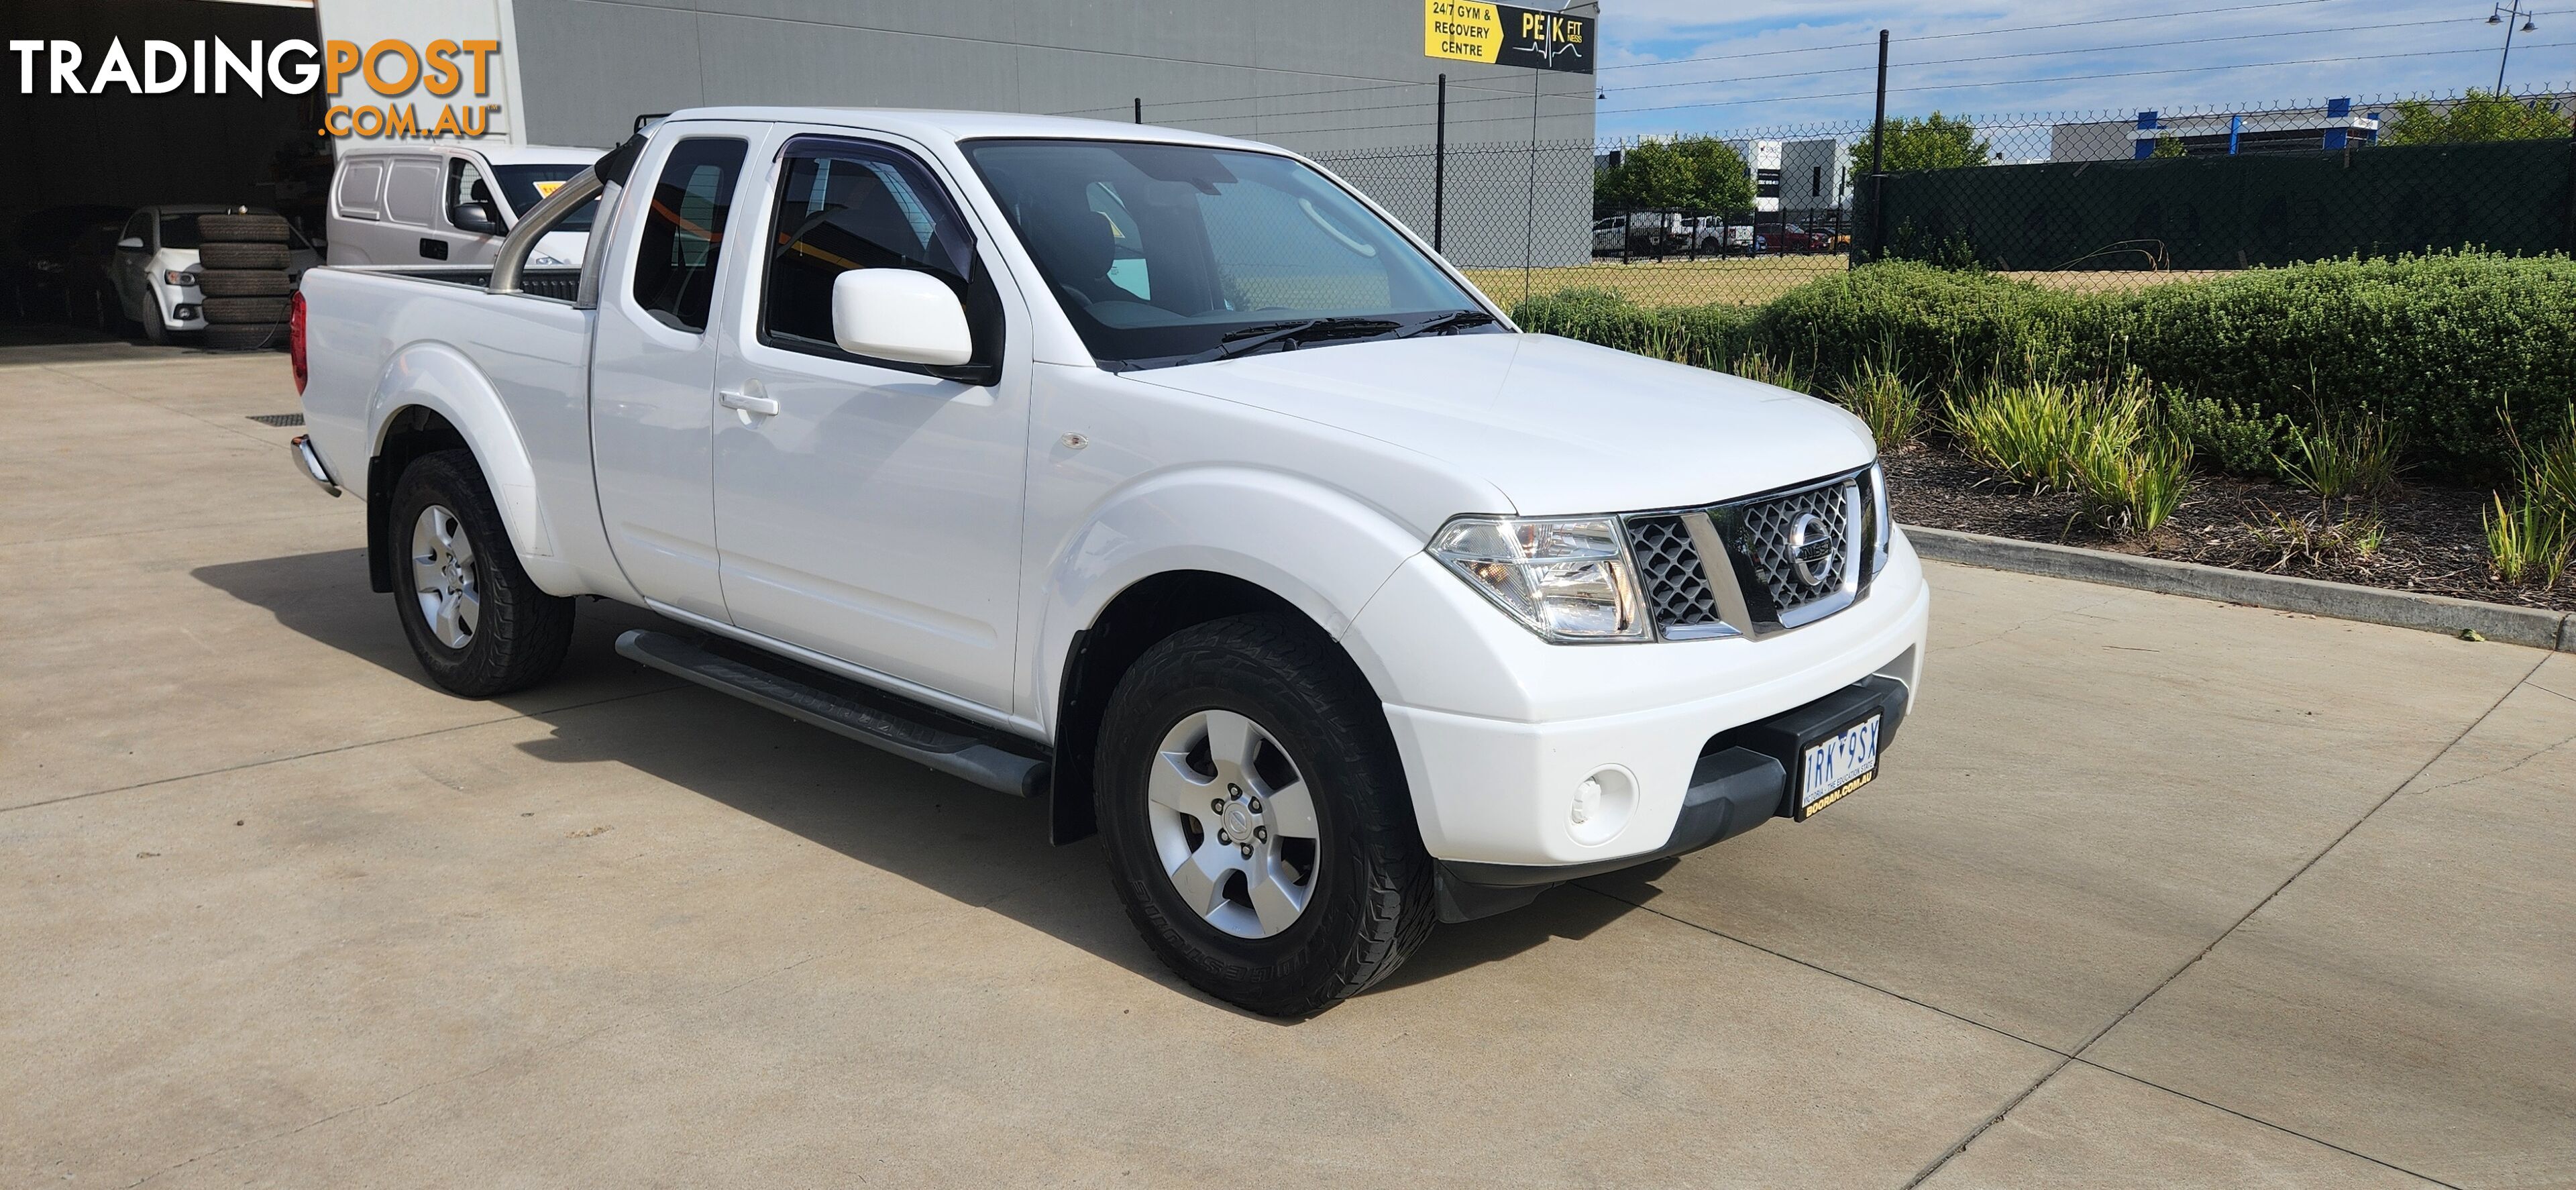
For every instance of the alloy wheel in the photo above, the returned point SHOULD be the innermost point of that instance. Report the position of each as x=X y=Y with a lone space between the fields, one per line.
x=1233 y=823
x=444 y=578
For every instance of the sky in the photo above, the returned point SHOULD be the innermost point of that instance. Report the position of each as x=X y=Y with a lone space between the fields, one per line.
x=2269 y=57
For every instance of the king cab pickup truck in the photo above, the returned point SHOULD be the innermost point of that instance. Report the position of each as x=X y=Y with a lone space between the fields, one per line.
x=1157 y=474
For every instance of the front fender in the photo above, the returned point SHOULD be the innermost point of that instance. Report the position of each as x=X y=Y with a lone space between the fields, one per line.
x=439 y=378
x=1318 y=548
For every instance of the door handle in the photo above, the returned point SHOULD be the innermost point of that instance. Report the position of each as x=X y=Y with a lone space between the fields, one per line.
x=747 y=402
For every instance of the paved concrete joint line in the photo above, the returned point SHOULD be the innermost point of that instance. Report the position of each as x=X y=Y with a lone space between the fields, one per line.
x=2065 y=1059
x=2535 y=627
x=2222 y=936
x=351 y=747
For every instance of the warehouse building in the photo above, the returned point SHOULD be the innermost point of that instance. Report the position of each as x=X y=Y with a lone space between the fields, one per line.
x=1345 y=81
x=2336 y=125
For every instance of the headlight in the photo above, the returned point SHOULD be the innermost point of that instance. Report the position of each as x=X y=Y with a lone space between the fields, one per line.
x=175 y=277
x=1566 y=579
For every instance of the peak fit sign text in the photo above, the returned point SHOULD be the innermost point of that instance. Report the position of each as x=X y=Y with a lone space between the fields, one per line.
x=391 y=69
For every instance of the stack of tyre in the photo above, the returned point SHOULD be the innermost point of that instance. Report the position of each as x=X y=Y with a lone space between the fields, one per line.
x=241 y=268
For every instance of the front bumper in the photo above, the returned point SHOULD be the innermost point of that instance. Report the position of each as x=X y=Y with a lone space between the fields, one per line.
x=1500 y=732
x=1740 y=782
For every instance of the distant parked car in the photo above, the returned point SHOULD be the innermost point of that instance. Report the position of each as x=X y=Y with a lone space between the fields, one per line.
x=411 y=204
x=1642 y=233
x=1668 y=233
x=1792 y=238
x=1715 y=236
x=157 y=264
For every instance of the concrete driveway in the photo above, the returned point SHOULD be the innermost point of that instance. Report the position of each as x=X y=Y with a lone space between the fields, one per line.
x=2154 y=892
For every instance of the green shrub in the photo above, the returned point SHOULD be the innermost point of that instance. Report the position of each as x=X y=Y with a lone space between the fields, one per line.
x=2437 y=345
x=2320 y=537
x=2528 y=541
x=1761 y=368
x=1708 y=336
x=2238 y=440
x=2135 y=485
x=1598 y=316
x=2026 y=430
x=1943 y=324
x=2549 y=472
x=2533 y=538
x=2344 y=456
x=1883 y=398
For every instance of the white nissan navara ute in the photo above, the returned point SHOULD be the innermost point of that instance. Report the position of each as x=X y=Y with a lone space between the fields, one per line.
x=1157 y=474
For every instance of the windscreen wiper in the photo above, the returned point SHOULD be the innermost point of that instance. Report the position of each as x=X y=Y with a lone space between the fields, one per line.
x=1289 y=334
x=1455 y=320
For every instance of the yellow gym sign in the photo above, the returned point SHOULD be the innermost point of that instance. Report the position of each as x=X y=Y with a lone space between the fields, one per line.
x=1502 y=35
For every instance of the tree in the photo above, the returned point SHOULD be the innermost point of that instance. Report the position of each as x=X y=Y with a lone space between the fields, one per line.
x=1933 y=142
x=2480 y=115
x=1694 y=174
x=2170 y=146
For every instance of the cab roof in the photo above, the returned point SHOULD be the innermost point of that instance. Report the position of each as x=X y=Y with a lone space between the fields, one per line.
x=931 y=124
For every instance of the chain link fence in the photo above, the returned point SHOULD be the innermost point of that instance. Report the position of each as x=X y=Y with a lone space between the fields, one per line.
x=2080 y=200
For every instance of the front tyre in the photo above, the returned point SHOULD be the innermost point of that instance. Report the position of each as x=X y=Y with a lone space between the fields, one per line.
x=475 y=619
x=1257 y=822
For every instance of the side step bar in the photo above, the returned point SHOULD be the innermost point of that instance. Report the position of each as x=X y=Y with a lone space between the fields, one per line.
x=958 y=755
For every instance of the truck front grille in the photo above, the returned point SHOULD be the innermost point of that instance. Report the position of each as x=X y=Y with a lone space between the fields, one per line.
x=1677 y=592
x=1789 y=558
x=1796 y=545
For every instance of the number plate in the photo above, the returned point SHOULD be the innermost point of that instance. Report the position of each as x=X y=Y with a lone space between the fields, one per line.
x=1838 y=766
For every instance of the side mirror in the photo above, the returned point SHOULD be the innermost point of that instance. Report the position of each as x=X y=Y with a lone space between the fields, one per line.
x=131 y=243
x=899 y=314
x=476 y=217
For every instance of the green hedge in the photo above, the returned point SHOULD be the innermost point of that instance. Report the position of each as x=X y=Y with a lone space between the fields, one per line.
x=2440 y=345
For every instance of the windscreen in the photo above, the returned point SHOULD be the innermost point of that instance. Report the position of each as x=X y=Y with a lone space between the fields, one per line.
x=524 y=186
x=180 y=231
x=1165 y=254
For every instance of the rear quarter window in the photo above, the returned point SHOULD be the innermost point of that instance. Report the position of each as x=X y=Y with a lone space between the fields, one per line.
x=360 y=181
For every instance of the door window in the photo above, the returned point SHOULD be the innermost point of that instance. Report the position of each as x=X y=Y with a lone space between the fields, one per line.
x=465 y=184
x=675 y=264
x=358 y=184
x=524 y=186
x=411 y=187
x=180 y=231
x=843 y=206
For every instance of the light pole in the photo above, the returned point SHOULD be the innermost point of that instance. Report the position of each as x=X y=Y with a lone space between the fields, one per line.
x=2505 y=15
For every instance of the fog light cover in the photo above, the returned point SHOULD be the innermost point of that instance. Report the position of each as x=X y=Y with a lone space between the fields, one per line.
x=184 y=311
x=1601 y=804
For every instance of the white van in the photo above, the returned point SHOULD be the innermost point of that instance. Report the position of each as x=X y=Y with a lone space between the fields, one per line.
x=399 y=204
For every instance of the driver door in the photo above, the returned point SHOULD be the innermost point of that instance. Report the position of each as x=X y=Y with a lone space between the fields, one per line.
x=868 y=509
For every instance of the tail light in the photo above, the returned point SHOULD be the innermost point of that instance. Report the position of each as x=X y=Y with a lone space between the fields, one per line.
x=295 y=339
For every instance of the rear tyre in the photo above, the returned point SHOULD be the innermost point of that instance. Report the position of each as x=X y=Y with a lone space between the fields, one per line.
x=239 y=310
x=242 y=229
x=244 y=336
x=243 y=283
x=475 y=619
x=242 y=256
x=1258 y=726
